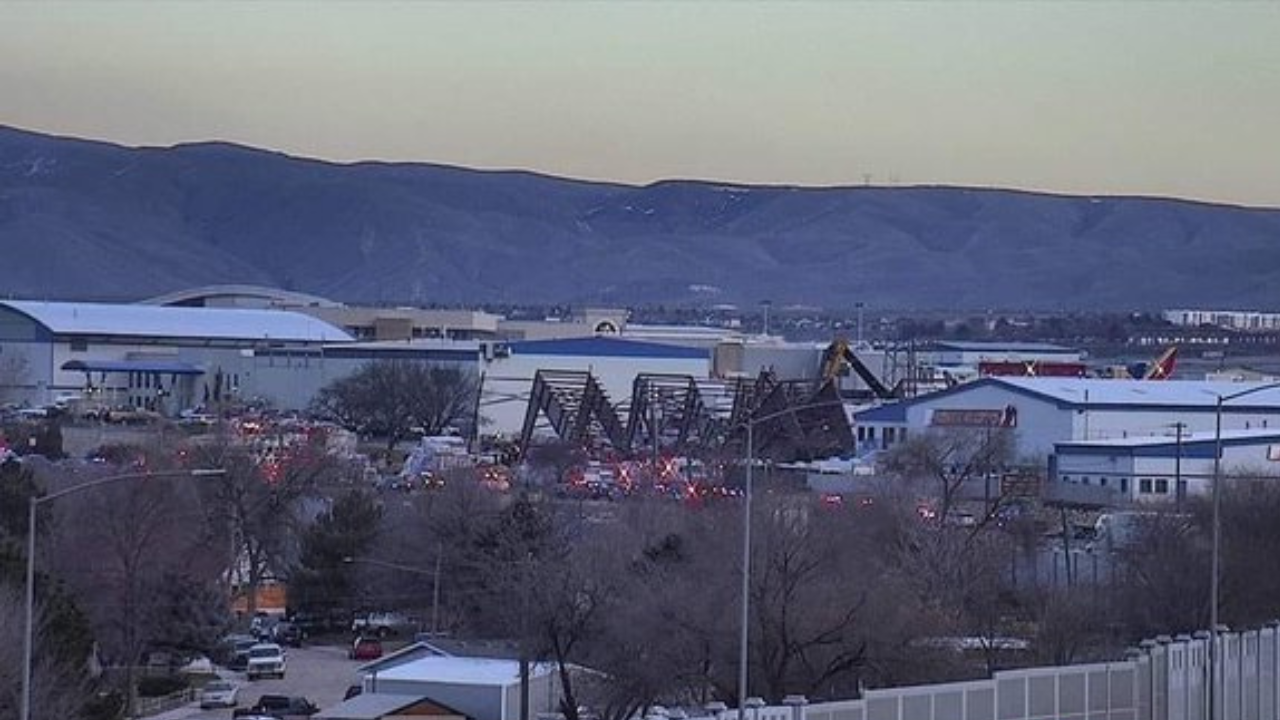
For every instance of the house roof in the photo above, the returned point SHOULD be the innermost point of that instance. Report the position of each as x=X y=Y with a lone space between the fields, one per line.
x=69 y=318
x=426 y=646
x=893 y=412
x=372 y=706
x=606 y=347
x=460 y=671
x=460 y=647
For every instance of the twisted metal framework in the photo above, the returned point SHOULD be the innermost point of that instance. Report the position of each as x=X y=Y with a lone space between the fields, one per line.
x=683 y=415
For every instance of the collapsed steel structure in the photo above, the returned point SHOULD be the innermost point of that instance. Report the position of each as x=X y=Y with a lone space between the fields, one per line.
x=682 y=415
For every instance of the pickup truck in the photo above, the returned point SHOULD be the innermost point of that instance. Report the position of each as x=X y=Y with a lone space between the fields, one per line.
x=265 y=660
x=382 y=624
x=284 y=707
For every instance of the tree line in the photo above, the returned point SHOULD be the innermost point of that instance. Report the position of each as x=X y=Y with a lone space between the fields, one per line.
x=895 y=587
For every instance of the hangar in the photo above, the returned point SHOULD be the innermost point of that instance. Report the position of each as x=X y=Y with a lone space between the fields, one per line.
x=160 y=358
x=1044 y=411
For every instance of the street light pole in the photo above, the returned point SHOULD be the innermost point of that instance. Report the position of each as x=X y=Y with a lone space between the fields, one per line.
x=30 y=608
x=32 y=503
x=1179 y=490
x=1215 y=560
x=745 y=620
x=743 y=632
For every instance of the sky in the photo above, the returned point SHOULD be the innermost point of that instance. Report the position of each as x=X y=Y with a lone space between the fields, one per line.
x=1172 y=99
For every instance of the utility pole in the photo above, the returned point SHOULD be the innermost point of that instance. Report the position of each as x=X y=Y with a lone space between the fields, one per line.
x=435 y=592
x=859 y=306
x=1179 y=489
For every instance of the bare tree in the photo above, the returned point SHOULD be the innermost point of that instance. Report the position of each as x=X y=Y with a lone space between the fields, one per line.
x=117 y=545
x=13 y=377
x=667 y=637
x=1071 y=625
x=817 y=616
x=253 y=507
x=389 y=398
x=1160 y=580
x=947 y=460
x=1250 y=546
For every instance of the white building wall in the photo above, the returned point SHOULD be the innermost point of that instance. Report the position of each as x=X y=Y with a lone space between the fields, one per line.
x=509 y=381
x=1121 y=423
x=1092 y=469
x=26 y=372
x=1040 y=423
x=1195 y=472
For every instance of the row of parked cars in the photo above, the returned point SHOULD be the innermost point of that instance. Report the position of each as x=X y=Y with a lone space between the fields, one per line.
x=252 y=656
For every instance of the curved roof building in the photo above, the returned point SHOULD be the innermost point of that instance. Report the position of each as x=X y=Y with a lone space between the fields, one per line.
x=159 y=323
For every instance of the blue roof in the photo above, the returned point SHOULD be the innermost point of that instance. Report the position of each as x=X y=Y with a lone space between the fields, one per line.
x=895 y=412
x=1026 y=347
x=167 y=367
x=606 y=347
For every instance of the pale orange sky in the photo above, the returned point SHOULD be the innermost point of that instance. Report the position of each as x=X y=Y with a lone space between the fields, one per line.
x=1176 y=99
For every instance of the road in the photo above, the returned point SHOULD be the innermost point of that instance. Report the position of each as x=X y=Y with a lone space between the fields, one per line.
x=320 y=673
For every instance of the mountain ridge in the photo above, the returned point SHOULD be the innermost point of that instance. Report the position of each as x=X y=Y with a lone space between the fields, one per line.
x=85 y=218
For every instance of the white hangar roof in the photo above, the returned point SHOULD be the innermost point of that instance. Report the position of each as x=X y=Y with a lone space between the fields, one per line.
x=119 y=320
x=1093 y=393
x=1096 y=394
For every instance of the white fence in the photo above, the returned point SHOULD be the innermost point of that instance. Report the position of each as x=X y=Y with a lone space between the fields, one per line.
x=1166 y=679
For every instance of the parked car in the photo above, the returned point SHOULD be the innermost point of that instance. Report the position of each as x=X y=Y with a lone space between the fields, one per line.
x=365 y=649
x=234 y=651
x=262 y=626
x=266 y=660
x=220 y=694
x=283 y=707
x=287 y=633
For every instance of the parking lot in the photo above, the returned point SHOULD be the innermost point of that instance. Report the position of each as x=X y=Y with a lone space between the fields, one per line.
x=321 y=673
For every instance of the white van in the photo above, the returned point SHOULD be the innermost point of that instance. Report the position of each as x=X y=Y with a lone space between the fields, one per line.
x=1121 y=531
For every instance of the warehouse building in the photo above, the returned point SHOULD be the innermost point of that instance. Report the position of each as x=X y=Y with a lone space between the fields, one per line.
x=614 y=362
x=1168 y=467
x=1046 y=411
x=160 y=358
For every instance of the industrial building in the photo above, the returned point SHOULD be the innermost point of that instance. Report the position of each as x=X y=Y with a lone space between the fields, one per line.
x=160 y=358
x=1046 y=411
x=1167 y=467
x=964 y=361
x=1245 y=320
x=613 y=362
x=361 y=323
x=168 y=359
